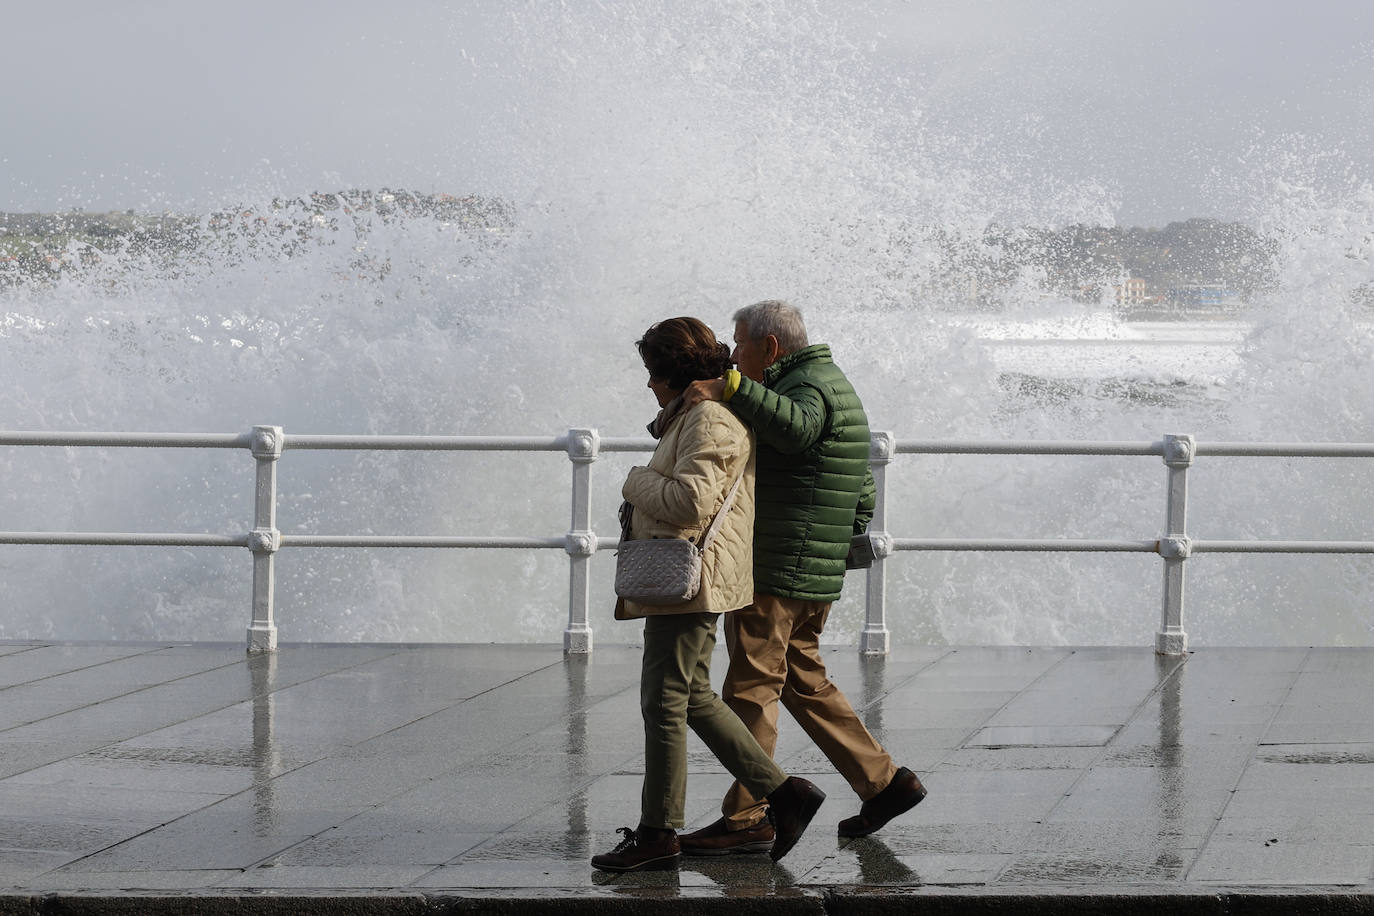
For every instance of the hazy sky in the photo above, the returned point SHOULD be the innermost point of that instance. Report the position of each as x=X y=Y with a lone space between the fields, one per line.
x=1171 y=105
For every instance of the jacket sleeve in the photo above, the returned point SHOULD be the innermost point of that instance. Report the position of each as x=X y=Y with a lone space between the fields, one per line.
x=790 y=423
x=711 y=452
x=868 y=499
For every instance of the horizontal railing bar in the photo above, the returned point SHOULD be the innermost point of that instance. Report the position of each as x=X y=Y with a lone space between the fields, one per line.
x=1024 y=447
x=1044 y=545
x=383 y=540
x=1064 y=545
x=429 y=443
x=636 y=444
x=1282 y=546
x=393 y=540
x=1070 y=447
x=123 y=539
x=129 y=440
x=627 y=444
x=1047 y=545
x=1287 y=449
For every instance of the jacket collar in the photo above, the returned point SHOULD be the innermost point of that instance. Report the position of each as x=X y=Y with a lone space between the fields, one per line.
x=789 y=361
x=665 y=418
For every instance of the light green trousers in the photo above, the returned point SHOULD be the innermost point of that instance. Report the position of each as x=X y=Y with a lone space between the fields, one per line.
x=674 y=693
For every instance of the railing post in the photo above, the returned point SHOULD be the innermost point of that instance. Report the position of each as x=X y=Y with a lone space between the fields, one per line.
x=583 y=446
x=264 y=538
x=1175 y=547
x=875 y=639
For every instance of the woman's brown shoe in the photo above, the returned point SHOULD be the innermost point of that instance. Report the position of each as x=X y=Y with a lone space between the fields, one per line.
x=647 y=848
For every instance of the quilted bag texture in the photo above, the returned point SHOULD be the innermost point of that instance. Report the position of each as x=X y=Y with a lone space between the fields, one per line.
x=658 y=571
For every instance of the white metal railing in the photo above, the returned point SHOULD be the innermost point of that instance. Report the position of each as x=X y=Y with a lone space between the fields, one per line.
x=583 y=446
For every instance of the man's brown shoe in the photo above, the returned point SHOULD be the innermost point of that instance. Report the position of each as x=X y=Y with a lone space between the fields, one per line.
x=901 y=795
x=791 y=807
x=645 y=849
x=719 y=840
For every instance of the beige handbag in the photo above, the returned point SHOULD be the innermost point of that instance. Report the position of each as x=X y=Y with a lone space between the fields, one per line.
x=659 y=571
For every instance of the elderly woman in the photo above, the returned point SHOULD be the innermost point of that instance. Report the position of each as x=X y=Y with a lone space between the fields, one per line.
x=702 y=451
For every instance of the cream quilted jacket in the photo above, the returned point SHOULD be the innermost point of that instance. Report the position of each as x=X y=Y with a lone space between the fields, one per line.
x=679 y=493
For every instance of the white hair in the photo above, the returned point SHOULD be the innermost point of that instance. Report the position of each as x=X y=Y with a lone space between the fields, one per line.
x=775 y=317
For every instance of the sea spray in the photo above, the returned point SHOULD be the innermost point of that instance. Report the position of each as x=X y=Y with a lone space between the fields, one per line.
x=661 y=163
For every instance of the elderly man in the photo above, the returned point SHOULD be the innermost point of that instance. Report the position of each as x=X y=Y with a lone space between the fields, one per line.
x=814 y=491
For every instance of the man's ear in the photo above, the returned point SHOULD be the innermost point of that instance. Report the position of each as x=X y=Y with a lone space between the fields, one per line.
x=772 y=350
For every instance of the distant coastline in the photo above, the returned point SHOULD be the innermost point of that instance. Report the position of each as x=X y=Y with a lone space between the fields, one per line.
x=1199 y=267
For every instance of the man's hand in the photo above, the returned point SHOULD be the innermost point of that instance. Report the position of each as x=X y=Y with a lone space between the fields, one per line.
x=711 y=389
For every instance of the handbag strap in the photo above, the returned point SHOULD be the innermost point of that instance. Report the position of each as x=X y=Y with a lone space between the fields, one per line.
x=724 y=508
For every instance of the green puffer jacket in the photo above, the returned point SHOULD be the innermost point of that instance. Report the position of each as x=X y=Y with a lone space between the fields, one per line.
x=814 y=489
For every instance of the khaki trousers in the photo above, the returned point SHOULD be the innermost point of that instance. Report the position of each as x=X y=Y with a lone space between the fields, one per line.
x=775 y=655
x=674 y=693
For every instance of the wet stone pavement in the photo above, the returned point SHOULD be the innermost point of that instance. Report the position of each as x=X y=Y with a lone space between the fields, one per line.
x=482 y=778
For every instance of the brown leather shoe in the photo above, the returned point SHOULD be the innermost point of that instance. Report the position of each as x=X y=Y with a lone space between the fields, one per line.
x=647 y=848
x=902 y=794
x=719 y=840
x=791 y=807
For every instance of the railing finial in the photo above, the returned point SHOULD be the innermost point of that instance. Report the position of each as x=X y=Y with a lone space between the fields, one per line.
x=1179 y=450
x=267 y=442
x=583 y=445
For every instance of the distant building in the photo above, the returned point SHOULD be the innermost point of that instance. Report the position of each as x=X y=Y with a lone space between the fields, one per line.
x=1134 y=291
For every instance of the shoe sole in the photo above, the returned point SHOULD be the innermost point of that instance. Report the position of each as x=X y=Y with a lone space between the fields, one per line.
x=853 y=834
x=663 y=863
x=742 y=849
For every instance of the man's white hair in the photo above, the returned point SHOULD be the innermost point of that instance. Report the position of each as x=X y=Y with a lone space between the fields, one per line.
x=773 y=316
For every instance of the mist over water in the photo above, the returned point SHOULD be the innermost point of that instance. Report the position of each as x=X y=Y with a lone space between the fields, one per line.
x=683 y=163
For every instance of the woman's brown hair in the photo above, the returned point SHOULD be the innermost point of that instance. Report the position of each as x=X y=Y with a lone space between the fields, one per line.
x=681 y=351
